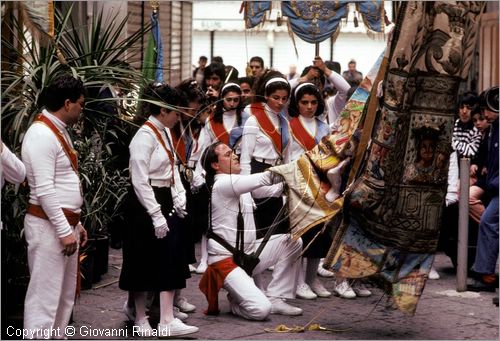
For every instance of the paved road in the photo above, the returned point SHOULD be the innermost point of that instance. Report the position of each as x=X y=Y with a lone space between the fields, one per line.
x=442 y=314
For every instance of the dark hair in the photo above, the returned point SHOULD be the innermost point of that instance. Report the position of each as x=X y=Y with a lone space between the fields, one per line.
x=261 y=90
x=217 y=59
x=231 y=70
x=489 y=99
x=248 y=80
x=214 y=68
x=293 y=108
x=208 y=157
x=191 y=90
x=322 y=78
x=258 y=60
x=334 y=66
x=219 y=109
x=469 y=98
x=203 y=58
x=63 y=87
x=163 y=93
x=352 y=61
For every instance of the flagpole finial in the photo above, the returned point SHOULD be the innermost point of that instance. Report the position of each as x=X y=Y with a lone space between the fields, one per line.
x=155 y=4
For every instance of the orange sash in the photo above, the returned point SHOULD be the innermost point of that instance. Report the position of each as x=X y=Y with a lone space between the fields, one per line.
x=169 y=153
x=179 y=146
x=301 y=135
x=267 y=126
x=219 y=131
x=70 y=152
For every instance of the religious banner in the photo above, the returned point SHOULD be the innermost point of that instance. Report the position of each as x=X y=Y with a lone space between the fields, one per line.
x=392 y=210
x=316 y=21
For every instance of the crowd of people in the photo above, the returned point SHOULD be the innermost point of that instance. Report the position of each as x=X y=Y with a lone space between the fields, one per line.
x=199 y=172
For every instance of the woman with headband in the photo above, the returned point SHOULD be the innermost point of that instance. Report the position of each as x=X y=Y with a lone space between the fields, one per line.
x=264 y=144
x=153 y=256
x=226 y=126
x=307 y=130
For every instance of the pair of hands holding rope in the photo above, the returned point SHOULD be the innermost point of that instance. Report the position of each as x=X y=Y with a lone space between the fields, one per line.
x=179 y=202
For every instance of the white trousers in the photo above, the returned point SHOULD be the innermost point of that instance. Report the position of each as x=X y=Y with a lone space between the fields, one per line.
x=51 y=290
x=250 y=302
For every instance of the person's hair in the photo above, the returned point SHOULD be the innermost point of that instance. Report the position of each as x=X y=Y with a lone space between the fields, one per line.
x=214 y=69
x=258 y=60
x=247 y=80
x=322 y=78
x=352 y=61
x=208 y=157
x=261 y=90
x=489 y=99
x=334 y=66
x=232 y=72
x=203 y=58
x=217 y=59
x=63 y=87
x=309 y=89
x=469 y=98
x=163 y=93
x=191 y=90
x=219 y=109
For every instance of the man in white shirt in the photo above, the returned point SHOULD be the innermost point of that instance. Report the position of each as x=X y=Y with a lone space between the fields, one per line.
x=52 y=225
x=230 y=194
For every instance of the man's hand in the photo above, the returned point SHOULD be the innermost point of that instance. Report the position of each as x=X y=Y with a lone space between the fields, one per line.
x=83 y=234
x=320 y=64
x=161 y=231
x=69 y=245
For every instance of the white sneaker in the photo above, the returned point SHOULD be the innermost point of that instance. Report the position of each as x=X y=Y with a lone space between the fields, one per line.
x=433 y=274
x=318 y=288
x=192 y=268
x=324 y=272
x=183 y=305
x=279 y=306
x=344 y=290
x=142 y=328
x=360 y=289
x=271 y=268
x=129 y=311
x=175 y=328
x=179 y=314
x=304 y=292
x=202 y=267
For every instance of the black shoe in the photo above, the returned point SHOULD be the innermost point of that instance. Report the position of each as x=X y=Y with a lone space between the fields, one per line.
x=477 y=286
x=495 y=301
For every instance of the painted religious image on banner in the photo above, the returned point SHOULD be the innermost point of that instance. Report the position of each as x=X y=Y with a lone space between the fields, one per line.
x=430 y=165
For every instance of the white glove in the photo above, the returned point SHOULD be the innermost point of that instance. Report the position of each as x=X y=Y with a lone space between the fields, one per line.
x=451 y=198
x=161 y=231
x=180 y=204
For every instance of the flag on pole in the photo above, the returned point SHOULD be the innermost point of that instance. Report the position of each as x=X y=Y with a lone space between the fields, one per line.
x=152 y=65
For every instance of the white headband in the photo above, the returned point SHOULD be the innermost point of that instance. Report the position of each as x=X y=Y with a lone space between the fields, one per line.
x=229 y=84
x=301 y=86
x=276 y=79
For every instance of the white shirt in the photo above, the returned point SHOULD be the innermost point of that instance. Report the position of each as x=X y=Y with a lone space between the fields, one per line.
x=11 y=168
x=53 y=182
x=335 y=104
x=256 y=144
x=149 y=161
x=227 y=192
x=311 y=126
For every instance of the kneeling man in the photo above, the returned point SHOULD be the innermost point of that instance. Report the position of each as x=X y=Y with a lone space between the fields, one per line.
x=230 y=194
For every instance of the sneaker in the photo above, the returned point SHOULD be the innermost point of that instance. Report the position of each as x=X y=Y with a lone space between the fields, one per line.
x=279 y=306
x=433 y=274
x=344 y=290
x=318 y=288
x=271 y=268
x=129 y=311
x=142 y=328
x=175 y=328
x=183 y=305
x=360 y=289
x=304 y=292
x=202 y=267
x=324 y=272
x=179 y=314
x=192 y=268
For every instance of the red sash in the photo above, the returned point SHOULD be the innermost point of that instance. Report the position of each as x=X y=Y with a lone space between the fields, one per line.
x=219 y=131
x=212 y=281
x=169 y=153
x=179 y=146
x=301 y=135
x=267 y=126
x=70 y=152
